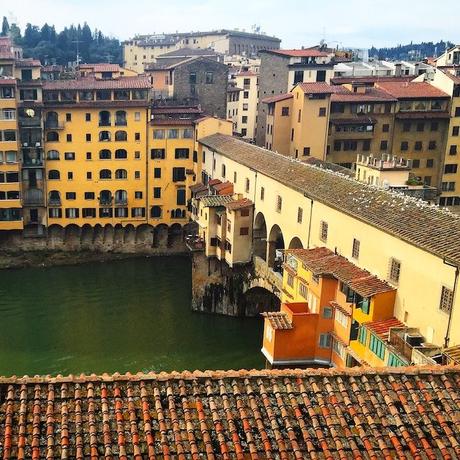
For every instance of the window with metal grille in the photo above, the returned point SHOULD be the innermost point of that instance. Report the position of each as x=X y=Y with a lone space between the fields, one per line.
x=447 y=297
x=395 y=270
x=299 y=215
x=325 y=340
x=355 y=249
x=279 y=203
x=323 y=231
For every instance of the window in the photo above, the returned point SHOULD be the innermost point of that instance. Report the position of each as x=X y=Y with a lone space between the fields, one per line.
x=322 y=111
x=420 y=127
x=121 y=154
x=87 y=117
x=383 y=145
x=416 y=163
x=290 y=280
x=341 y=318
x=156 y=192
x=157 y=154
x=457 y=112
x=137 y=136
x=418 y=145
x=121 y=174
x=192 y=78
x=362 y=335
x=355 y=249
x=88 y=137
x=366 y=145
x=448 y=186
x=173 y=134
x=262 y=193
x=54 y=174
x=306 y=151
x=429 y=163
x=120 y=118
x=52 y=155
x=52 y=136
x=158 y=133
x=303 y=290
x=137 y=116
x=70 y=175
x=404 y=146
x=181 y=154
x=155 y=211
x=187 y=133
x=455 y=130
x=447 y=297
x=284 y=111
x=138 y=195
x=395 y=361
x=88 y=155
x=235 y=177
x=223 y=171
x=137 y=155
x=178 y=174
x=121 y=136
x=157 y=173
x=323 y=231
x=450 y=168
x=279 y=203
x=55 y=213
x=247 y=185
x=69 y=155
x=244 y=119
x=70 y=196
x=327 y=312
x=453 y=150
x=89 y=195
x=105 y=136
x=299 y=215
x=68 y=117
x=180 y=197
x=105 y=174
x=104 y=118
x=434 y=126
x=377 y=346
x=69 y=137
x=432 y=145
x=105 y=154
x=395 y=270
x=72 y=213
x=244 y=231
x=89 y=175
x=385 y=128
x=325 y=341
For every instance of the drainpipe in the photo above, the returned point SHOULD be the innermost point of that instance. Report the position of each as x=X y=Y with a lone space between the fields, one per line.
x=454 y=291
x=254 y=216
x=309 y=223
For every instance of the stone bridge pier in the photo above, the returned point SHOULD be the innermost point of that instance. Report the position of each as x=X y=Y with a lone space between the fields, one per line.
x=246 y=290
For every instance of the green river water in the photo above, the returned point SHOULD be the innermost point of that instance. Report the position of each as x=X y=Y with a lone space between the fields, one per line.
x=130 y=315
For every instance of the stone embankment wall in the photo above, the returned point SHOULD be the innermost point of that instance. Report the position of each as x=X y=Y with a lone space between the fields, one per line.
x=237 y=291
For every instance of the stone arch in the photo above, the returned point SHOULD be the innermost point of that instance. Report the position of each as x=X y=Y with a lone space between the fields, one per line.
x=144 y=235
x=98 y=236
x=72 y=237
x=55 y=236
x=130 y=235
x=275 y=242
x=160 y=235
x=260 y=236
x=86 y=236
x=295 y=243
x=175 y=235
x=108 y=236
x=257 y=300
x=118 y=236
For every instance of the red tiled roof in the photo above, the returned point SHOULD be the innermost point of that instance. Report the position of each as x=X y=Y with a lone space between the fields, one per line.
x=298 y=53
x=316 y=88
x=176 y=110
x=412 y=90
x=342 y=94
x=102 y=67
x=138 y=82
x=363 y=412
x=223 y=187
x=198 y=187
x=246 y=73
x=171 y=122
x=324 y=262
x=382 y=328
x=239 y=204
x=369 y=79
x=454 y=78
x=28 y=63
x=214 y=182
x=8 y=81
x=279 y=97
x=278 y=320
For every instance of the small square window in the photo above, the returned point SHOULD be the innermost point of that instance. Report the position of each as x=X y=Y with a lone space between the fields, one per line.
x=70 y=196
x=299 y=215
x=89 y=195
x=68 y=117
x=69 y=137
x=89 y=175
x=70 y=175
x=385 y=128
x=137 y=155
x=137 y=174
x=430 y=163
x=323 y=231
x=395 y=270
x=138 y=195
x=88 y=137
x=137 y=136
x=416 y=163
x=322 y=111
x=88 y=155
x=355 y=249
x=69 y=155
x=87 y=117
x=137 y=116
x=447 y=297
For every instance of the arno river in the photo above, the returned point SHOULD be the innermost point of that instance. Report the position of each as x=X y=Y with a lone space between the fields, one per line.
x=131 y=315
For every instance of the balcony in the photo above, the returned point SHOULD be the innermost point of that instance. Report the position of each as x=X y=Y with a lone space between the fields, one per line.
x=121 y=201
x=54 y=202
x=33 y=197
x=32 y=156
x=53 y=125
x=28 y=122
x=105 y=201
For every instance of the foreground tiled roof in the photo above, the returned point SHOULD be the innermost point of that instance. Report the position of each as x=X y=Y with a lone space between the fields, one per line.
x=322 y=261
x=382 y=327
x=342 y=94
x=212 y=201
x=102 y=67
x=279 y=97
x=239 y=204
x=361 y=413
x=92 y=83
x=278 y=320
x=411 y=90
x=316 y=88
x=395 y=214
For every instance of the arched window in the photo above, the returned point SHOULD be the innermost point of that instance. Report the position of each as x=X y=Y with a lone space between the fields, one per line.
x=52 y=120
x=52 y=136
x=155 y=211
x=105 y=136
x=105 y=197
x=121 y=154
x=121 y=197
x=54 y=198
x=121 y=136
x=121 y=174
x=53 y=174
x=104 y=118
x=105 y=154
x=52 y=155
x=120 y=118
x=105 y=174
x=177 y=213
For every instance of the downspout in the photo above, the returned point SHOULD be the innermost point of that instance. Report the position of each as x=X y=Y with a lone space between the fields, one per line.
x=454 y=291
x=254 y=216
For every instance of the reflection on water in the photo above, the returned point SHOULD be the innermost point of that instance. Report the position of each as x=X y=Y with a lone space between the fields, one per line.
x=132 y=315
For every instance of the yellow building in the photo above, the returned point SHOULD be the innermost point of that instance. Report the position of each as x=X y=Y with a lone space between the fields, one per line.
x=96 y=150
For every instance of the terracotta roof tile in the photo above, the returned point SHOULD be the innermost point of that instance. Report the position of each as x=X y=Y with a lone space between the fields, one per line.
x=278 y=320
x=298 y=53
x=138 y=82
x=27 y=63
x=287 y=414
x=324 y=262
x=239 y=204
x=102 y=67
x=368 y=79
x=279 y=97
x=391 y=212
x=411 y=90
x=8 y=81
x=342 y=94
x=213 y=201
x=382 y=328
x=316 y=88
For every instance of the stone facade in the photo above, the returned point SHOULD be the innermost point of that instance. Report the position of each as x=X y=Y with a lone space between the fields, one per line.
x=202 y=81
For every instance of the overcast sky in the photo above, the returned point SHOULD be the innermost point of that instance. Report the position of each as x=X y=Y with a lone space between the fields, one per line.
x=357 y=23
